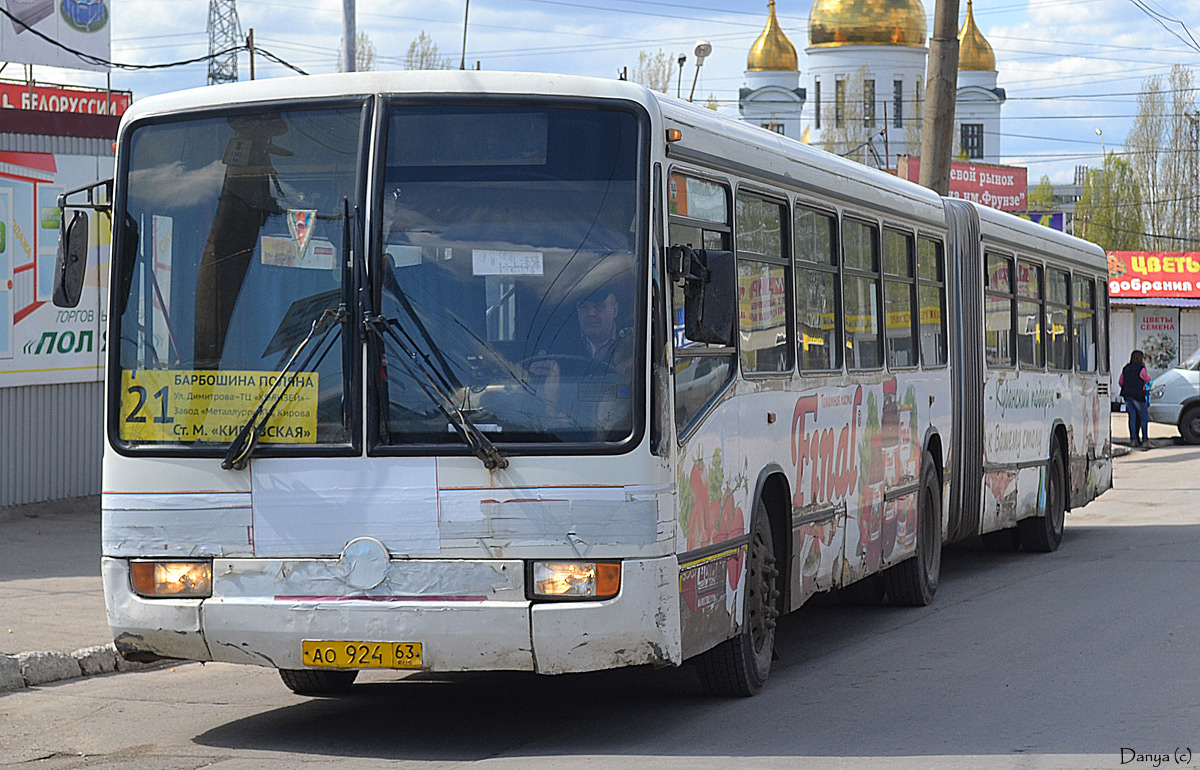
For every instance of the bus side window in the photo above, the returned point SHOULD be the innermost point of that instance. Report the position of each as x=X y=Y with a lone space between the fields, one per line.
x=763 y=280
x=817 y=326
x=931 y=301
x=998 y=310
x=860 y=294
x=1030 y=350
x=1084 y=324
x=1058 y=330
x=1102 y=324
x=698 y=217
x=898 y=285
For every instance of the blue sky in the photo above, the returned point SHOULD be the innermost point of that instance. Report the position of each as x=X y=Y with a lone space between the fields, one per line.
x=1068 y=66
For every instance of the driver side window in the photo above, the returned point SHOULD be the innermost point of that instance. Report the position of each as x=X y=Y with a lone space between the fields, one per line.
x=699 y=218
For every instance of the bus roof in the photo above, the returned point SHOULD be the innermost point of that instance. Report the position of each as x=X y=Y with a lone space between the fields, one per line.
x=740 y=146
x=1028 y=237
x=397 y=82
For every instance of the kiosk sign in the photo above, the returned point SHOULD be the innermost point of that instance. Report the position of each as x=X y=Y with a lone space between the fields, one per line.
x=1154 y=274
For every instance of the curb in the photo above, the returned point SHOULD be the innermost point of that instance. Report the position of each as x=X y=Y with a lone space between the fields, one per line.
x=30 y=669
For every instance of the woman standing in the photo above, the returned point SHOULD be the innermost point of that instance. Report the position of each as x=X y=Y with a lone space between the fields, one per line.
x=1134 y=382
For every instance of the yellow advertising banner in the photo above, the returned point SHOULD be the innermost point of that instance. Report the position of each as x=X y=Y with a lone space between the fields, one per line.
x=187 y=406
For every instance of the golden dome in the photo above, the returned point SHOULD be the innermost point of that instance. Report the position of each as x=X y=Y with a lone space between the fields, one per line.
x=974 y=52
x=866 y=22
x=772 y=50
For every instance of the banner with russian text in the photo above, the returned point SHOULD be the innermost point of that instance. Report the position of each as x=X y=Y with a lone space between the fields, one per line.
x=1154 y=274
x=1000 y=187
x=79 y=101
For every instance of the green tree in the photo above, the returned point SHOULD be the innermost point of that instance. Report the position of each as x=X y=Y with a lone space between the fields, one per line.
x=1110 y=211
x=1041 y=198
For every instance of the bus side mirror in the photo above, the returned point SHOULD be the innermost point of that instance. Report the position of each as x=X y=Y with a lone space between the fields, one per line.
x=72 y=261
x=709 y=293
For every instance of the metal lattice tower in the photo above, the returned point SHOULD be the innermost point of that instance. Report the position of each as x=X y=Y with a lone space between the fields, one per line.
x=224 y=32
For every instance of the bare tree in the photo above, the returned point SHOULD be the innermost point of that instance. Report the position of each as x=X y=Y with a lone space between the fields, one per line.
x=423 y=55
x=654 y=70
x=1145 y=146
x=1178 y=175
x=853 y=125
x=1162 y=152
x=364 y=53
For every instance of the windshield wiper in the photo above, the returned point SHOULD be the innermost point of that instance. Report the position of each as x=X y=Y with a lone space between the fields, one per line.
x=418 y=364
x=242 y=447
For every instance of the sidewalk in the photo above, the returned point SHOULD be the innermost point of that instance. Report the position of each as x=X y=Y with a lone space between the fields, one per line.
x=52 y=620
x=1160 y=434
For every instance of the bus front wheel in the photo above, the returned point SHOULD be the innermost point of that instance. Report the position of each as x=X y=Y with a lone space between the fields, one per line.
x=913 y=582
x=306 y=681
x=739 y=666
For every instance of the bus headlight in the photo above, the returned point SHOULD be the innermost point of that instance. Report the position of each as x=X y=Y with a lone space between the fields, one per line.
x=176 y=579
x=576 y=579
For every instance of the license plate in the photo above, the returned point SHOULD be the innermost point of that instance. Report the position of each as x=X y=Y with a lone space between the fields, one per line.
x=348 y=654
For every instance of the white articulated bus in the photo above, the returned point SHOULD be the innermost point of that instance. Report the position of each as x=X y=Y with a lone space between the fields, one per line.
x=491 y=371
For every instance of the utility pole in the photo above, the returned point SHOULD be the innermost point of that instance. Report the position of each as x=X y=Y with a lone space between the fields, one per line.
x=349 y=36
x=250 y=45
x=224 y=33
x=462 y=64
x=941 y=86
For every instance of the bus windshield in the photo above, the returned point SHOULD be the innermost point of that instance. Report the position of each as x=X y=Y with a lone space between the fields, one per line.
x=234 y=226
x=509 y=267
x=502 y=277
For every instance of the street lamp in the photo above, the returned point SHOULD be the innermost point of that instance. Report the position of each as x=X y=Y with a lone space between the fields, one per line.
x=679 y=80
x=1100 y=134
x=703 y=49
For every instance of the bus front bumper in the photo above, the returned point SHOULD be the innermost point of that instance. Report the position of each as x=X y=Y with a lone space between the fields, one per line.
x=467 y=615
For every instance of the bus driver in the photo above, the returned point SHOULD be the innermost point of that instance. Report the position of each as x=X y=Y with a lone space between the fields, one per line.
x=597 y=360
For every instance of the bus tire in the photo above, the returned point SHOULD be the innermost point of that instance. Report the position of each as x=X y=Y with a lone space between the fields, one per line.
x=739 y=666
x=305 y=681
x=1189 y=425
x=914 y=581
x=1044 y=533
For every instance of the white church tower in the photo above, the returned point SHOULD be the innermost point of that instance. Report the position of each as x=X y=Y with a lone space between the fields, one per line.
x=866 y=63
x=772 y=97
x=866 y=60
x=977 y=114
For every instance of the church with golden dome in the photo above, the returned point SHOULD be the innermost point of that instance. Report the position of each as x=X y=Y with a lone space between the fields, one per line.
x=863 y=95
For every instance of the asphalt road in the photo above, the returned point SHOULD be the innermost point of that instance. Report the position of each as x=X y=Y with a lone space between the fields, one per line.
x=1024 y=661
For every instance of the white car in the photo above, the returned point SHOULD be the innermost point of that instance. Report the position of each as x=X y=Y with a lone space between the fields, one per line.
x=1175 y=398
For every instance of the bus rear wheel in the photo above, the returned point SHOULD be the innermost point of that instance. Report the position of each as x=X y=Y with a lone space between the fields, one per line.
x=913 y=582
x=306 y=681
x=1044 y=533
x=739 y=666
